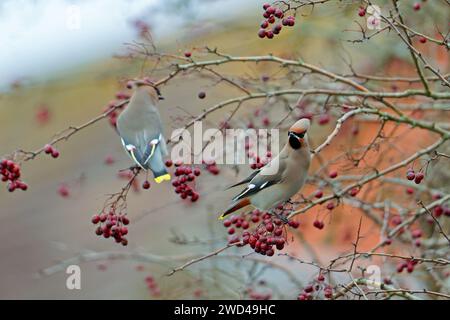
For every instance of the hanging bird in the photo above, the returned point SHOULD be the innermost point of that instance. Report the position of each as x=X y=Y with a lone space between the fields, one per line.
x=279 y=180
x=141 y=130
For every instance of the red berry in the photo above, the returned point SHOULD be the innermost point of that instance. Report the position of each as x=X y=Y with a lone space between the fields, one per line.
x=264 y=25
x=266 y=5
x=48 y=149
x=270 y=10
x=308 y=289
x=276 y=30
x=279 y=13
x=95 y=219
x=63 y=191
x=333 y=174
x=410 y=175
x=294 y=224
x=23 y=186
x=416 y=233
x=55 y=154
x=318 y=194
x=169 y=163
x=125 y=220
x=201 y=95
x=318 y=224
x=423 y=40
x=269 y=34
x=231 y=230
x=419 y=177
x=354 y=192
x=330 y=205
x=187 y=54
x=361 y=12
x=278 y=232
x=324 y=119
x=438 y=211
x=146 y=185
x=291 y=21
x=194 y=197
x=261 y=33
x=417 y=6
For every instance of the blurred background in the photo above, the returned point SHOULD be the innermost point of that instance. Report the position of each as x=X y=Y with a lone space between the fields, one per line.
x=62 y=62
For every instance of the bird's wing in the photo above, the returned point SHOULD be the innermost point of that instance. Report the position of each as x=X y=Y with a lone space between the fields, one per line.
x=264 y=179
x=246 y=180
x=141 y=147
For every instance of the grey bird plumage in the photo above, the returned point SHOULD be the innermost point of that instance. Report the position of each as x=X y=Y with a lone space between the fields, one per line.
x=141 y=131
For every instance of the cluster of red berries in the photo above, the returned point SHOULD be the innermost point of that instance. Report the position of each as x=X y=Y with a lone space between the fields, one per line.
x=10 y=171
x=112 y=225
x=152 y=286
x=184 y=183
x=49 y=149
x=417 y=177
x=271 y=14
x=266 y=237
x=315 y=288
x=408 y=265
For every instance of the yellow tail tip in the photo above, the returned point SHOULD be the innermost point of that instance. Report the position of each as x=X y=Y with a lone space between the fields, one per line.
x=165 y=177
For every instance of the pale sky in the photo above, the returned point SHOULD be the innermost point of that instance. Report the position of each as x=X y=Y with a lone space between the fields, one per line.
x=41 y=37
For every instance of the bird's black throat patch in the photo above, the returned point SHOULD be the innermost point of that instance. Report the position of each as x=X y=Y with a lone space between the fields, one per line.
x=294 y=142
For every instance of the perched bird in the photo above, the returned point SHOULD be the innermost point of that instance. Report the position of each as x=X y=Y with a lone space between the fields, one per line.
x=141 y=131
x=279 y=180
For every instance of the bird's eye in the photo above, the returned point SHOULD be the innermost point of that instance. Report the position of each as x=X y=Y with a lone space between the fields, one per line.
x=301 y=135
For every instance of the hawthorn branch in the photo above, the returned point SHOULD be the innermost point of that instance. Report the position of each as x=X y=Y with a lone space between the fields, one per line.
x=196 y=260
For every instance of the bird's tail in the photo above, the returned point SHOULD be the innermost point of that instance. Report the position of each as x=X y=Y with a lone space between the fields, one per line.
x=156 y=164
x=235 y=206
